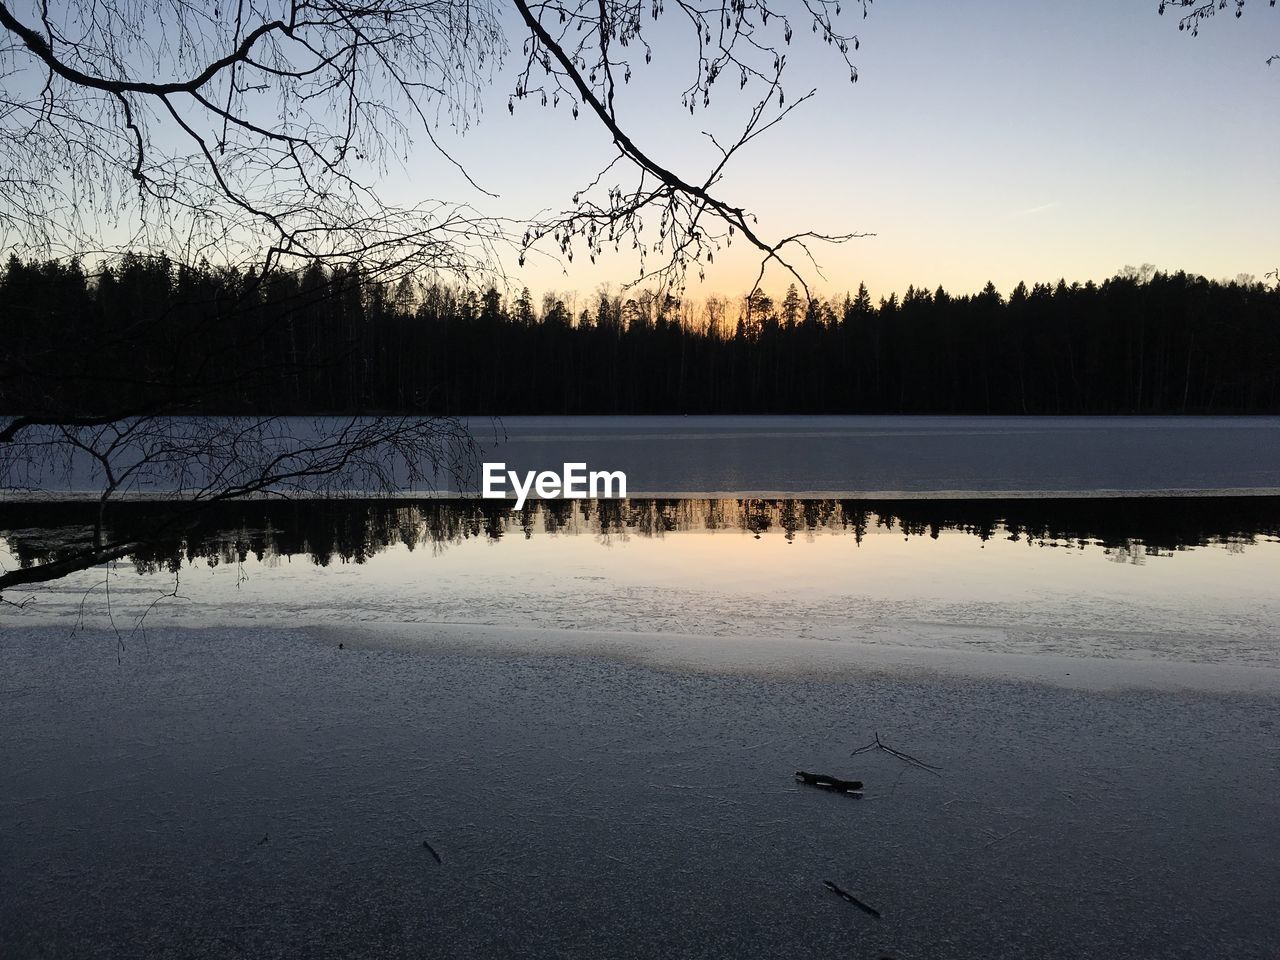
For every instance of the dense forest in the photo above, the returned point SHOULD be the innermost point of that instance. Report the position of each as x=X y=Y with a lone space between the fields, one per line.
x=147 y=334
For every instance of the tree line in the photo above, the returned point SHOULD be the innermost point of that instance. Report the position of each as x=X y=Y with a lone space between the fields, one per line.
x=149 y=334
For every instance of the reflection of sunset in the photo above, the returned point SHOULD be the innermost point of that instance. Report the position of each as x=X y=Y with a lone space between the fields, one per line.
x=1190 y=579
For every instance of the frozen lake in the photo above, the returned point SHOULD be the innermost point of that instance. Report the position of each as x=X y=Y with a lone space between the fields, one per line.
x=830 y=456
x=913 y=456
x=235 y=741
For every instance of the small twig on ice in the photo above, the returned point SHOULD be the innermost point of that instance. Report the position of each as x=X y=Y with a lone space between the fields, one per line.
x=844 y=894
x=877 y=744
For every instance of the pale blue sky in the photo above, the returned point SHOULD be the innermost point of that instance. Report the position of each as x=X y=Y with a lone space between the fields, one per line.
x=994 y=139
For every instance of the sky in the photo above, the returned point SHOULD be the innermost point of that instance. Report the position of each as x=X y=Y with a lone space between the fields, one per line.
x=993 y=140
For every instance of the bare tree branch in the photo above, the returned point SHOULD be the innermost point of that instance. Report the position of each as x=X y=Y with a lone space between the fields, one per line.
x=570 y=46
x=1198 y=11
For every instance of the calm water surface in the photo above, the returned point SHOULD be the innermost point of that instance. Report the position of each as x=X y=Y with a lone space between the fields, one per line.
x=1187 y=579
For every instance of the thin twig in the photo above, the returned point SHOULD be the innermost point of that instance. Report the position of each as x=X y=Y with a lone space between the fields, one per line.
x=877 y=744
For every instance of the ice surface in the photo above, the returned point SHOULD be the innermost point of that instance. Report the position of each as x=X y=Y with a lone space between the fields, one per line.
x=586 y=807
x=849 y=456
x=876 y=456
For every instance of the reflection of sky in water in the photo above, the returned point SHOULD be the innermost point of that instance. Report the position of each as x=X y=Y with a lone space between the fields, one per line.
x=1215 y=602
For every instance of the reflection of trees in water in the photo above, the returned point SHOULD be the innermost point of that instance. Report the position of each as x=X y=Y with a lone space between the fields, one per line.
x=1127 y=530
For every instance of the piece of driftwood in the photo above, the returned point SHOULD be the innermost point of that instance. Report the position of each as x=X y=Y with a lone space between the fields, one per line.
x=825 y=782
x=432 y=850
x=844 y=894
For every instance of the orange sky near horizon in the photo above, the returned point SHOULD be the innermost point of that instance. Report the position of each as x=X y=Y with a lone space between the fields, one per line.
x=999 y=141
